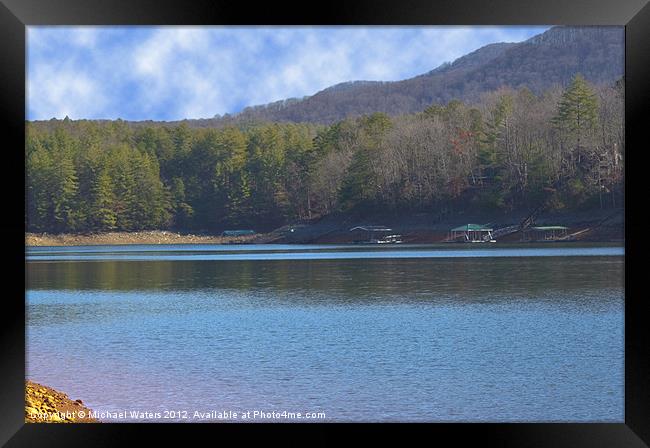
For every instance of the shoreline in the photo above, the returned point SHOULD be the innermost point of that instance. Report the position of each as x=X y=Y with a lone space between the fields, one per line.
x=595 y=226
x=119 y=238
x=126 y=239
x=46 y=405
x=600 y=226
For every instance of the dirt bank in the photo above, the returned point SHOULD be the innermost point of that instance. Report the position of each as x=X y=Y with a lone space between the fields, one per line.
x=46 y=405
x=591 y=225
x=148 y=237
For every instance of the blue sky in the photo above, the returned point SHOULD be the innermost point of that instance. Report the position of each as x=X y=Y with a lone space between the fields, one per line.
x=171 y=73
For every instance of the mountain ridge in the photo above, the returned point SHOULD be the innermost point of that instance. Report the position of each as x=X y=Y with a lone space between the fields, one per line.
x=551 y=58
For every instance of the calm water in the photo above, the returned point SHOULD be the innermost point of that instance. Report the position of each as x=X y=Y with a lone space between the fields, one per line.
x=360 y=333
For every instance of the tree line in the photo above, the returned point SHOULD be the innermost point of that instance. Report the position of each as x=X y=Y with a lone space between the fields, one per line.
x=511 y=149
x=552 y=57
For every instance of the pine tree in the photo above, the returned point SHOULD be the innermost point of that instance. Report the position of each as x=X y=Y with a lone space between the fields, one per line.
x=123 y=177
x=39 y=184
x=103 y=215
x=577 y=112
x=356 y=188
x=238 y=206
x=577 y=120
x=150 y=208
x=64 y=213
x=182 y=211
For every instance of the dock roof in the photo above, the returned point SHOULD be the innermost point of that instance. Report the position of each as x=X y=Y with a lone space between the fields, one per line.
x=472 y=228
x=372 y=229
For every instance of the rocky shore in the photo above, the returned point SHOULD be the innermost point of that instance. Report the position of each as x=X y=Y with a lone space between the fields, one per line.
x=46 y=405
x=588 y=226
x=146 y=237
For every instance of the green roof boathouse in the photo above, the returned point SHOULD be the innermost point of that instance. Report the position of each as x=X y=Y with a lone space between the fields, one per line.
x=545 y=233
x=471 y=233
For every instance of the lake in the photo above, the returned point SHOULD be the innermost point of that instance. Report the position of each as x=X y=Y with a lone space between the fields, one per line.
x=438 y=333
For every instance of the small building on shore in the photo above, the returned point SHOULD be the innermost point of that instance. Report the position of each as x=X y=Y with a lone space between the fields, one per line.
x=375 y=234
x=545 y=233
x=238 y=232
x=471 y=233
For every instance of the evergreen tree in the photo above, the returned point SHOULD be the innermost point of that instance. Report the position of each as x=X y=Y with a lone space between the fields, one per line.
x=577 y=113
x=64 y=213
x=577 y=119
x=360 y=184
x=492 y=150
x=183 y=212
x=39 y=167
x=123 y=175
x=357 y=187
x=103 y=214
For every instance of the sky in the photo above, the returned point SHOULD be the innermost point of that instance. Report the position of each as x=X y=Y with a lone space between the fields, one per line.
x=172 y=73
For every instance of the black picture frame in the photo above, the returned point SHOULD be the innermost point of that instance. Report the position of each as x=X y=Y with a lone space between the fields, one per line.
x=15 y=15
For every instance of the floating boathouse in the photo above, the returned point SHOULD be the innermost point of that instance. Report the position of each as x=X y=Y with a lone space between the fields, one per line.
x=375 y=234
x=545 y=233
x=471 y=233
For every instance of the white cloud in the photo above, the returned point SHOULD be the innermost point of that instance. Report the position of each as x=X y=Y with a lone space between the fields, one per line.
x=85 y=36
x=64 y=92
x=196 y=72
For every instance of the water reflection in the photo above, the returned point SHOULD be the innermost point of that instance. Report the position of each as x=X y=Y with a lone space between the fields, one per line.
x=390 y=339
x=360 y=278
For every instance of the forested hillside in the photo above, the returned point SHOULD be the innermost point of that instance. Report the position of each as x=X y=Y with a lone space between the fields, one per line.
x=540 y=63
x=511 y=148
